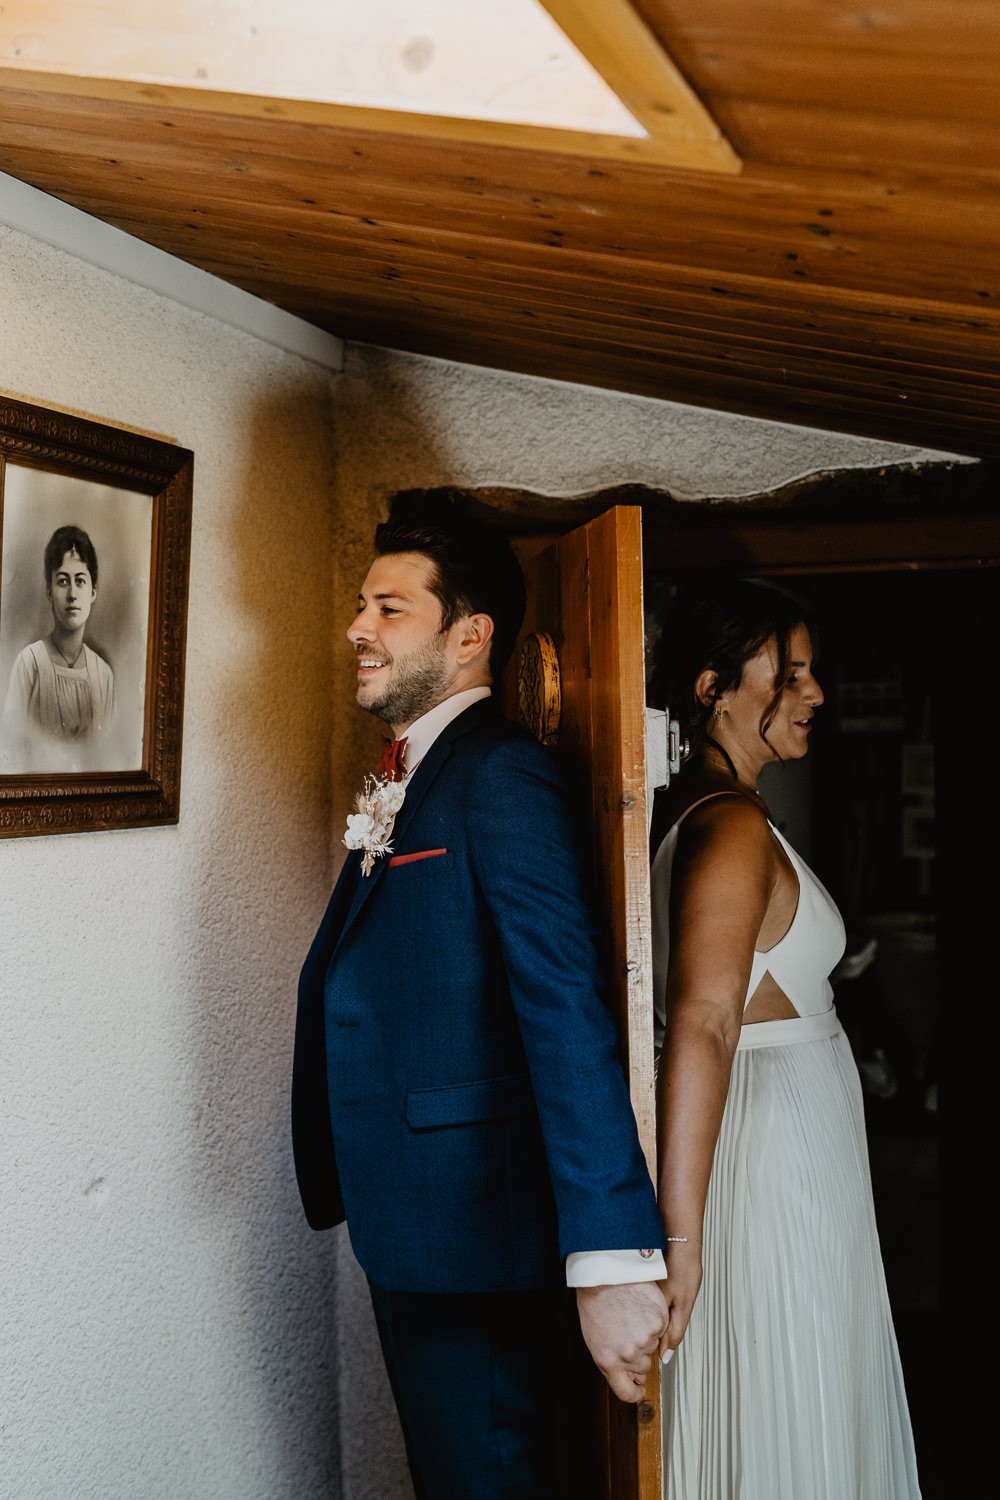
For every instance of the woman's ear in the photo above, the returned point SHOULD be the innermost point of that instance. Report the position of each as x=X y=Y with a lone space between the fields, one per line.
x=706 y=687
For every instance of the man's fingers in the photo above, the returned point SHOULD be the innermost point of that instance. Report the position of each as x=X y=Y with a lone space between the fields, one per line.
x=627 y=1385
x=627 y=1378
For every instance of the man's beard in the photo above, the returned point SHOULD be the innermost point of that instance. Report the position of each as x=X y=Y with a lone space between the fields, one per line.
x=421 y=681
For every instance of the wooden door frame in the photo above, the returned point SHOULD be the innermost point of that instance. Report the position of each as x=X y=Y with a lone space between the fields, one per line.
x=747 y=537
x=585 y=588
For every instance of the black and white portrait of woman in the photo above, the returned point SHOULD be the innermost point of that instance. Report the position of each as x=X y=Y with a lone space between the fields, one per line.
x=73 y=623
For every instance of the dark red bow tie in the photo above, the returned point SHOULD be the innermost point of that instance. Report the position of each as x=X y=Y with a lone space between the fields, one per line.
x=391 y=765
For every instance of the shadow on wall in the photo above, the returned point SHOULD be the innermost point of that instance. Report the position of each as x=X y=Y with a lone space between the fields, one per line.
x=258 y=690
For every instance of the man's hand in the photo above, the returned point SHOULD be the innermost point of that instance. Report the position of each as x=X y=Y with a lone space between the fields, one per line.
x=622 y=1327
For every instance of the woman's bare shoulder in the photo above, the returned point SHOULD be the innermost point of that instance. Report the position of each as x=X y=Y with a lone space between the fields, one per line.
x=723 y=867
x=726 y=815
x=703 y=796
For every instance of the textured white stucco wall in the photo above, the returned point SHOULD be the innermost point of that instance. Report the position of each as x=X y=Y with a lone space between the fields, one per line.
x=168 y=1320
x=422 y=422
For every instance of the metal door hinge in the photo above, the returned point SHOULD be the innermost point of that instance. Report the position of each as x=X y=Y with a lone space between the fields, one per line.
x=664 y=752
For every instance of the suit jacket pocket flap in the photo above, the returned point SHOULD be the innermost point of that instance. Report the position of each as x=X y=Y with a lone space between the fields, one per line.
x=468 y=1103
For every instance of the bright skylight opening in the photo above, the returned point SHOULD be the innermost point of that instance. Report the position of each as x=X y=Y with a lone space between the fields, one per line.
x=497 y=60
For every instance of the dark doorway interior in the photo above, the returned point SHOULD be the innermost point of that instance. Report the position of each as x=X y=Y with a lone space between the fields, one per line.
x=904 y=819
x=896 y=810
x=873 y=824
x=904 y=836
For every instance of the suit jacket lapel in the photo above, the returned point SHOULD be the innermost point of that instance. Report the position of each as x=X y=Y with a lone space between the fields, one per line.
x=417 y=788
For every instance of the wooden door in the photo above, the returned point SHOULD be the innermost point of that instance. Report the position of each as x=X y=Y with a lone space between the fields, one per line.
x=585 y=592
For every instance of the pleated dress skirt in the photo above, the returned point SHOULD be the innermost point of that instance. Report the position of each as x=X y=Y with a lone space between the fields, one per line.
x=787 y=1385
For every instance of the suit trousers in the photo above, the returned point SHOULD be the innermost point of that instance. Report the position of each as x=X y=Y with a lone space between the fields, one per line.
x=484 y=1383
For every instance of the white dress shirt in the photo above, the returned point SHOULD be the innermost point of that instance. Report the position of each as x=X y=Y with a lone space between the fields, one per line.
x=583 y=1267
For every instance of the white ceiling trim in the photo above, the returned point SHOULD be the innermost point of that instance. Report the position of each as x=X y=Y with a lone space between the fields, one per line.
x=56 y=223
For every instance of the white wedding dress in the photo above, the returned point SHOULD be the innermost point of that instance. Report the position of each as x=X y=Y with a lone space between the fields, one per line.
x=787 y=1385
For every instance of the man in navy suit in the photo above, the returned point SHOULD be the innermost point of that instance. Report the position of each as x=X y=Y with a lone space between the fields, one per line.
x=458 y=1096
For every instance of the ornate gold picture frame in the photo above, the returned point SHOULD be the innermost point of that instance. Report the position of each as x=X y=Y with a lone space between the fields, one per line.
x=95 y=531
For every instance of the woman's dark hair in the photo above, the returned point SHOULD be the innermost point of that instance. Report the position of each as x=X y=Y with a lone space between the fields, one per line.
x=69 y=539
x=720 y=625
x=475 y=569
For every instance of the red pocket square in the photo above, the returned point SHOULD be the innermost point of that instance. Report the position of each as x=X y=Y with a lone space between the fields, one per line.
x=407 y=859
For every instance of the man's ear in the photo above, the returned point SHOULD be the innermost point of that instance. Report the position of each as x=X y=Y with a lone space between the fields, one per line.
x=706 y=687
x=473 y=636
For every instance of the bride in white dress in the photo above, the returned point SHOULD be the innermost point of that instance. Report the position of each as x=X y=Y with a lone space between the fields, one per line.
x=782 y=1379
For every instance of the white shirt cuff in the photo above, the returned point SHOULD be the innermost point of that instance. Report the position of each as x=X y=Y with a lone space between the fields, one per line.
x=614 y=1267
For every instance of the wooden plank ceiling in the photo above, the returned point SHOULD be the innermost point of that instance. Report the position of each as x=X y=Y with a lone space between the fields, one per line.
x=836 y=262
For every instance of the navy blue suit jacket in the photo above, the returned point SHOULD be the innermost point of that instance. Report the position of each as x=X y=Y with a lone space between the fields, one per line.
x=457 y=1090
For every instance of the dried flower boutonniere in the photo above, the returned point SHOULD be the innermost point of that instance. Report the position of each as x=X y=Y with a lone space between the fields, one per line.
x=370 y=826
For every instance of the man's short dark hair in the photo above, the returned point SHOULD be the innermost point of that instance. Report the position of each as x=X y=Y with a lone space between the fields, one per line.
x=475 y=569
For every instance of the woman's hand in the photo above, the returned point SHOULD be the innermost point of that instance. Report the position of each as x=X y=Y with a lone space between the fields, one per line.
x=680 y=1291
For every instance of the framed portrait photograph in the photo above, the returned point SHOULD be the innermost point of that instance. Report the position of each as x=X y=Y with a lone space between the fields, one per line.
x=95 y=533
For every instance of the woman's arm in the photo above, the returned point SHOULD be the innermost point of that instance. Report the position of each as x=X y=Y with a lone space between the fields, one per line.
x=723 y=876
